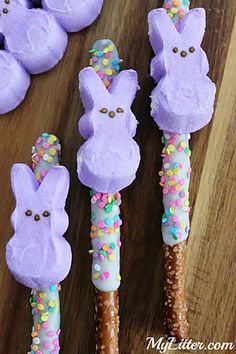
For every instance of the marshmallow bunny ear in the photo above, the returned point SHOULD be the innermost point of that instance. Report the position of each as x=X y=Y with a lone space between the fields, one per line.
x=55 y=185
x=125 y=86
x=92 y=88
x=193 y=26
x=161 y=29
x=23 y=181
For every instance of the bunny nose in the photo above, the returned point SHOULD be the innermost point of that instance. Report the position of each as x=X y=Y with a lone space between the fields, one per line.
x=183 y=53
x=36 y=217
x=112 y=114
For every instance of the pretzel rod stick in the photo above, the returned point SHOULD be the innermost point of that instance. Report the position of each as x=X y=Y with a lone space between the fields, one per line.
x=105 y=230
x=175 y=176
x=45 y=303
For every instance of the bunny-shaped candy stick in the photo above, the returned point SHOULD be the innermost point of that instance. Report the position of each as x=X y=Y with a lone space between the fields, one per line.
x=35 y=253
x=109 y=159
x=183 y=100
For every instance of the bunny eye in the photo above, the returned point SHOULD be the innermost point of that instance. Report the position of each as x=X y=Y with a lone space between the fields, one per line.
x=120 y=110
x=28 y=213
x=175 y=50
x=103 y=110
x=192 y=49
x=46 y=214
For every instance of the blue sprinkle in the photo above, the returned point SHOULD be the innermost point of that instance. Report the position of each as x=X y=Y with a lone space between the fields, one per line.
x=45 y=135
x=173 y=230
x=108 y=221
x=53 y=288
x=116 y=218
x=164 y=219
x=100 y=54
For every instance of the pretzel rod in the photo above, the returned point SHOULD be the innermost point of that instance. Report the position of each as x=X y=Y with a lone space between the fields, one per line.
x=105 y=230
x=175 y=176
x=45 y=303
x=182 y=103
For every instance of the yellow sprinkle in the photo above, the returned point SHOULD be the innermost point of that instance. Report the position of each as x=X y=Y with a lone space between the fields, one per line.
x=118 y=277
x=161 y=173
x=171 y=183
x=42 y=295
x=90 y=61
x=177 y=187
x=170 y=14
x=33 y=304
x=105 y=61
x=183 y=144
x=96 y=275
x=51 y=303
x=91 y=251
x=35 y=348
x=111 y=48
x=171 y=148
x=100 y=233
x=182 y=225
x=106 y=50
x=40 y=307
x=109 y=199
x=172 y=210
x=169 y=172
x=52 y=151
x=50 y=159
x=186 y=202
x=174 y=10
x=97 y=67
x=111 y=257
x=176 y=170
x=44 y=318
x=116 y=230
x=37 y=175
x=109 y=72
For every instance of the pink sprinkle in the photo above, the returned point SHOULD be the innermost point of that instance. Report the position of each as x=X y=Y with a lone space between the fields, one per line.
x=107 y=55
x=172 y=178
x=109 y=251
x=119 y=243
x=175 y=218
x=45 y=145
x=180 y=165
x=101 y=257
x=37 y=158
x=107 y=274
x=101 y=225
x=46 y=345
x=165 y=191
x=45 y=325
x=179 y=234
x=101 y=204
x=93 y=199
x=98 y=195
x=43 y=173
x=57 y=348
x=163 y=179
x=51 y=334
x=38 y=141
x=181 y=181
x=56 y=342
x=39 y=299
x=171 y=203
x=102 y=276
x=116 y=225
x=180 y=148
x=167 y=5
x=178 y=202
x=58 y=332
x=39 y=352
x=36 y=310
x=167 y=158
x=104 y=198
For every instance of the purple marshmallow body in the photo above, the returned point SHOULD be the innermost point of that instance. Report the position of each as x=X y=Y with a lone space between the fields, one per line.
x=37 y=255
x=183 y=100
x=109 y=159
x=37 y=38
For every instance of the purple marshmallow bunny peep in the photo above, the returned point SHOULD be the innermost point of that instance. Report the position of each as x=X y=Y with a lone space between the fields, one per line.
x=38 y=255
x=109 y=159
x=183 y=100
x=35 y=40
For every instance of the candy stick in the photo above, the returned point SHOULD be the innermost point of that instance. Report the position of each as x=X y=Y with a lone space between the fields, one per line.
x=105 y=205
x=178 y=116
x=37 y=254
x=45 y=303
